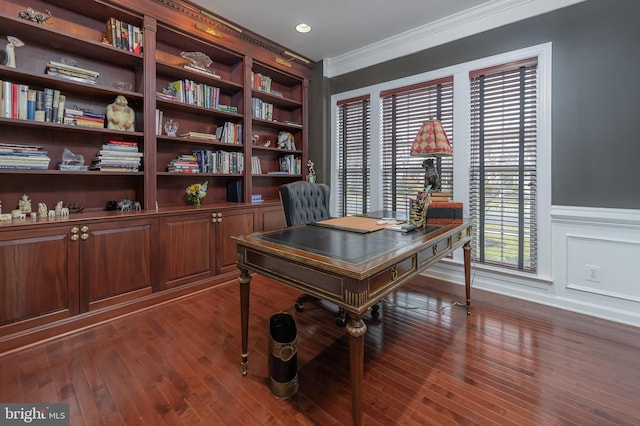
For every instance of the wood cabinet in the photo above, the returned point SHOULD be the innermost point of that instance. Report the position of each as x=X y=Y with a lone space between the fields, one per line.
x=115 y=261
x=61 y=271
x=54 y=272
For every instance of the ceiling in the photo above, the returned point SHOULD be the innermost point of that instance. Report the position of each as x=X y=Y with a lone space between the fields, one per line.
x=338 y=26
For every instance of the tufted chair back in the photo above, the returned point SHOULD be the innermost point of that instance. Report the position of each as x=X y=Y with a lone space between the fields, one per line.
x=304 y=202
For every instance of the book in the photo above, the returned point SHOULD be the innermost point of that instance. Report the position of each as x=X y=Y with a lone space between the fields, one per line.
x=56 y=102
x=31 y=104
x=15 y=90
x=48 y=104
x=23 y=95
x=198 y=135
x=7 y=89
x=82 y=71
x=39 y=106
x=61 y=104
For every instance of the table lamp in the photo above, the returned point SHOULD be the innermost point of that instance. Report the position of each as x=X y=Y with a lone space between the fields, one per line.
x=431 y=141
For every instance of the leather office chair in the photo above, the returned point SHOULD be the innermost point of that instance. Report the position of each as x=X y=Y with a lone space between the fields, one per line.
x=305 y=202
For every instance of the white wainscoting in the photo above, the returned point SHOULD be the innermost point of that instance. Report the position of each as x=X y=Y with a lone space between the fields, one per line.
x=583 y=239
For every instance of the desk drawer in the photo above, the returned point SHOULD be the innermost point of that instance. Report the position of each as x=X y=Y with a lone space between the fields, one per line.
x=432 y=252
x=398 y=271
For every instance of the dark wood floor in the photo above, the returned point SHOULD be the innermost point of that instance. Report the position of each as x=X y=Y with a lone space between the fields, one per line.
x=426 y=362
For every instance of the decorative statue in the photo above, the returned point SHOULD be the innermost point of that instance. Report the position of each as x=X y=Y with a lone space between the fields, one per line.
x=35 y=16
x=286 y=141
x=11 y=50
x=70 y=158
x=24 y=205
x=58 y=209
x=120 y=115
x=312 y=173
x=42 y=210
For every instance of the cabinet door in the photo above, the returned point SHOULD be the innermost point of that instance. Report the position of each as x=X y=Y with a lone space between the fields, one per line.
x=231 y=223
x=272 y=218
x=185 y=249
x=38 y=282
x=115 y=262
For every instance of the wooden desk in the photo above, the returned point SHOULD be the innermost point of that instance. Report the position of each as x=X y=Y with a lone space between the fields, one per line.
x=351 y=270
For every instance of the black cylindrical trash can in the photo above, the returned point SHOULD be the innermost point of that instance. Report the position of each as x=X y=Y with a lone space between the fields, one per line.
x=283 y=356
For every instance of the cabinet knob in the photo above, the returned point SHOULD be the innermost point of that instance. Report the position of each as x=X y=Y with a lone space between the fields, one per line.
x=219 y=214
x=435 y=250
x=74 y=230
x=74 y=237
x=219 y=220
x=85 y=228
x=83 y=237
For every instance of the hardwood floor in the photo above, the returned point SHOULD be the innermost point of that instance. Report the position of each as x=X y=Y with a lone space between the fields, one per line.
x=426 y=362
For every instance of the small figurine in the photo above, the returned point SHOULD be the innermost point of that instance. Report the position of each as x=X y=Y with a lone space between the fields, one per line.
x=24 y=204
x=111 y=205
x=35 y=16
x=51 y=214
x=171 y=127
x=285 y=141
x=120 y=115
x=69 y=158
x=137 y=206
x=11 y=50
x=58 y=210
x=312 y=173
x=42 y=210
x=125 y=205
x=64 y=211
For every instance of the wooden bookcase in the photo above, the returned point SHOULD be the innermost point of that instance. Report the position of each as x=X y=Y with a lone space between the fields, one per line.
x=110 y=262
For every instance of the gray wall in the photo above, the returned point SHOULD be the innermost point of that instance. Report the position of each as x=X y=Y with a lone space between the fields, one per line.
x=596 y=44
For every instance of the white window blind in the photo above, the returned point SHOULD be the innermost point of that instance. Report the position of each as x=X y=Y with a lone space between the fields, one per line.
x=503 y=165
x=354 y=156
x=403 y=111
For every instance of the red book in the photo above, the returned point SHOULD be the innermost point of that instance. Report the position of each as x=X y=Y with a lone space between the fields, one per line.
x=15 y=89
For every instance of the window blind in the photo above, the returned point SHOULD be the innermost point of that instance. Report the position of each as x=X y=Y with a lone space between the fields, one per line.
x=403 y=111
x=503 y=165
x=354 y=156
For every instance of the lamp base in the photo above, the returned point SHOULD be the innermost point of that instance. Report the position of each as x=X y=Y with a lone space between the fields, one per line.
x=431 y=176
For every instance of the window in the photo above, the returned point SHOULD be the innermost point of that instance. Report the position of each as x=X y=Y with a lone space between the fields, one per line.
x=354 y=156
x=503 y=162
x=403 y=111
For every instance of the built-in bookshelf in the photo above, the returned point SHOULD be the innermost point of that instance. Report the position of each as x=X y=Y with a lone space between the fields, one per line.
x=84 y=57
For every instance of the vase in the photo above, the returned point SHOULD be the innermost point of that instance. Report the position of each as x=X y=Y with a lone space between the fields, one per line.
x=197 y=202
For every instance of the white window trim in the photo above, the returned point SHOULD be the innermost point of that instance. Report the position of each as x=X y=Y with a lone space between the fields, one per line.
x=461 y=150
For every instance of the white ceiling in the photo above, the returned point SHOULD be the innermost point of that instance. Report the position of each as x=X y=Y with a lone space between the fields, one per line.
x=339 y=26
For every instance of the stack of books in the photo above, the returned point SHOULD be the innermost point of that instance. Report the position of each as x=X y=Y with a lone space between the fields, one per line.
x=71 y=72
x=184 y=164
x=75 y=117
x=24 y=157
x=199 y=135
x=118 y=156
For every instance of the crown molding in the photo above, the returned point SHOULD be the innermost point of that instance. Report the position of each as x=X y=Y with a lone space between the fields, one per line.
x=487 y=16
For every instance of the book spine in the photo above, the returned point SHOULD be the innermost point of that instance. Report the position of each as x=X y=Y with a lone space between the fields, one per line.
x=39 y=105
x=31 y=104
x=7 y=88
x=22 y=101
x=15 y=90
x=61 y=104
x=48 y=105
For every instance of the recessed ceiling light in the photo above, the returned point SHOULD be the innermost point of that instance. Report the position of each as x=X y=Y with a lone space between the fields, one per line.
x=303 y=28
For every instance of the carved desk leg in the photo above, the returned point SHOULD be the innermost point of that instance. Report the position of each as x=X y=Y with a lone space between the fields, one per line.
x=467 y=274
x=245 y=281
x=356 y=329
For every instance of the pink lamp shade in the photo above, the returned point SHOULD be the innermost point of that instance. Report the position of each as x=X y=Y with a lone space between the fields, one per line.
x=431 y=141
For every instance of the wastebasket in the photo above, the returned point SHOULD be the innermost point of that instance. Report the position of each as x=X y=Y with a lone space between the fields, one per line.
x=283 y=356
